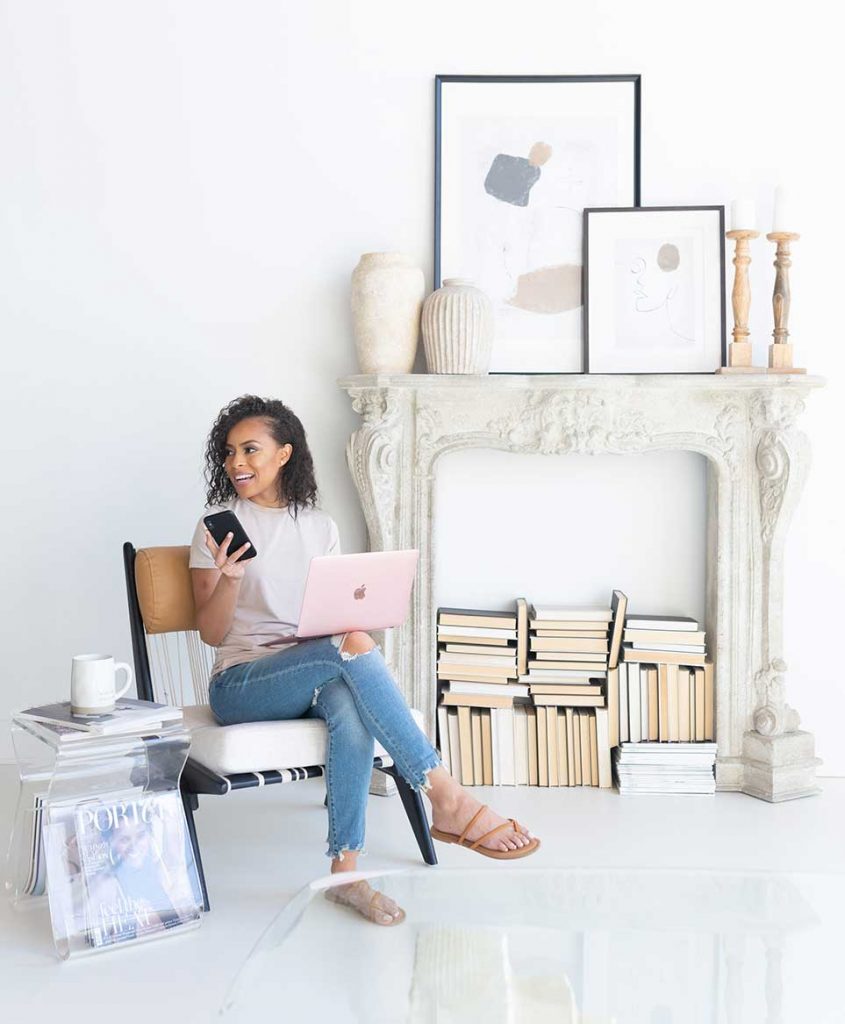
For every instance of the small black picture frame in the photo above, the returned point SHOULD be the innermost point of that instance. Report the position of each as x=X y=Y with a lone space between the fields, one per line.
x=654 y=289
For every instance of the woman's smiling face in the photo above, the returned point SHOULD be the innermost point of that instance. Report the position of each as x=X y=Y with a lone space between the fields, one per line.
x=254 y=460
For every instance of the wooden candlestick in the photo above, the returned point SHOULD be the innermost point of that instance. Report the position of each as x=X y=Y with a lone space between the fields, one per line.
x=739 y=350
x=780 y=353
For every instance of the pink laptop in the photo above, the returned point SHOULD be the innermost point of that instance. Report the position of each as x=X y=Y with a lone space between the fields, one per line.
x=348 y=592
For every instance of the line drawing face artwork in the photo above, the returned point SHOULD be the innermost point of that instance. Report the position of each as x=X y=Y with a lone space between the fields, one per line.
x=654 y=293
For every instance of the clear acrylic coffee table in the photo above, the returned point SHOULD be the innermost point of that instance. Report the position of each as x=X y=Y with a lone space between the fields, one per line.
x=518 y=945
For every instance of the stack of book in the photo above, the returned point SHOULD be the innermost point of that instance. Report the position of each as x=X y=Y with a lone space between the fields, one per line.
x=568 y=648
x=659 y=768
x=526 y=745
x=665 y=682
x=573 y=746
x=543 y=699
x=480 y=656
x=570 y=654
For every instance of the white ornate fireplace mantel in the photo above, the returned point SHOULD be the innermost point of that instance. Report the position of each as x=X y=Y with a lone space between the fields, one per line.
x=744 y=425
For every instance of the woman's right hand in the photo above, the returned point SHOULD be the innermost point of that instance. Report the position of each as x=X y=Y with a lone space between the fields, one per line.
x=226 y=563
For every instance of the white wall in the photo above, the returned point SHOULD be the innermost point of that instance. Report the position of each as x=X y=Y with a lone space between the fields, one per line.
x=186 y=186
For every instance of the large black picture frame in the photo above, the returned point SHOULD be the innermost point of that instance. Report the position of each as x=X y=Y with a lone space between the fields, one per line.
x=538 y=325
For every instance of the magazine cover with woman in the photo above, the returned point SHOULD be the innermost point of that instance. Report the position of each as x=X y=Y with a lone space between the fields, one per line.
x=120 y=869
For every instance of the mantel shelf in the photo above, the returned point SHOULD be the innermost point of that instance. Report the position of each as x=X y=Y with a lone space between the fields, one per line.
x=721 y=383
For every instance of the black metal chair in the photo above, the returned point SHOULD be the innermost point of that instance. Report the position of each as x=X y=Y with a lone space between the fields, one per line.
x=173 y=664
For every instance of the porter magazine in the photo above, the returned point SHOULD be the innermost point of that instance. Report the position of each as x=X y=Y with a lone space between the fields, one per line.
x=121 y=869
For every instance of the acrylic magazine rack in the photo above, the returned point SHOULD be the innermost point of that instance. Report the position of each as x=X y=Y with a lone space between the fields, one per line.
x=100 y=827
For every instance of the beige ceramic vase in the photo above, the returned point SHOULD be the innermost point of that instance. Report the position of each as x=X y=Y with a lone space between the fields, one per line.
x=387 y=295
x=457 y=328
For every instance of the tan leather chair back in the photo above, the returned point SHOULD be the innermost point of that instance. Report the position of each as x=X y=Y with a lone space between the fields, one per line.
x=163 y=584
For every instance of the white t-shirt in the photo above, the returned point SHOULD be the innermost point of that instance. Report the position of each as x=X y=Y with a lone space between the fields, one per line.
x=270 y=597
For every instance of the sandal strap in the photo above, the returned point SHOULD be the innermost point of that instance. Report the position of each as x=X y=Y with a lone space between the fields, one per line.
x=470 y=823
x=511 y=824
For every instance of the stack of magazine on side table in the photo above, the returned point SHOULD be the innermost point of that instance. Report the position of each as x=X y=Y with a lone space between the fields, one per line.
x=58 y=723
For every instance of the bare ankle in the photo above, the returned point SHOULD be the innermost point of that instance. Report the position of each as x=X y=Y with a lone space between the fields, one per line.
x=347 y=861
x=448 y=797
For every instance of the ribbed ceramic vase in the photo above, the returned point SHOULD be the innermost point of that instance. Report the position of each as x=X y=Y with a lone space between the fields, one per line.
x=457 y=328
x=387 y=295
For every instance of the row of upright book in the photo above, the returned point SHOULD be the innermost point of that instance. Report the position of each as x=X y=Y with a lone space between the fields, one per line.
x=543 y=668
x=525 y=745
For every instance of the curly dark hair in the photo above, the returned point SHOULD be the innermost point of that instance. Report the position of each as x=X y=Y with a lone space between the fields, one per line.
x=297 y=484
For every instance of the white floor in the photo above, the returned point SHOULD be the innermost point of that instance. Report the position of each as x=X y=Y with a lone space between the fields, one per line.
x=261 y=847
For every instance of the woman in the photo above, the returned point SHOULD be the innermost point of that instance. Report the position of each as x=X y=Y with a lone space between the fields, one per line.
x=258 y=464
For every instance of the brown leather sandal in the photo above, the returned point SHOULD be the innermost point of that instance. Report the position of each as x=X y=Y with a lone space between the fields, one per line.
x=461 y=840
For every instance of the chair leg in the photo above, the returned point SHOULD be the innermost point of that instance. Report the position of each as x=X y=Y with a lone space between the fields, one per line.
x=412 y=801
x=190 y=801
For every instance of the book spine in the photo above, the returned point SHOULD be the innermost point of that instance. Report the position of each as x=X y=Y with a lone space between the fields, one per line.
x=443 y=737
x=594 y=751
x=653 y=704
x=699 y=704
x=683 y=705
x=634 y=711
x=586 y=760
x=533 y=756
x=570 y=747
x=613 y=706
x=709 y=703
x=487 y=746
x=603 y=743
x=624 y=733
x=542 y=748
x=562 y=759
x=673 y=701
x=465 y=727
x=551 y=745
x=475 y=740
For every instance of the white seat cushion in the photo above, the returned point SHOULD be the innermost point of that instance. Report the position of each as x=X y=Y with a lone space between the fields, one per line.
x=260 y=746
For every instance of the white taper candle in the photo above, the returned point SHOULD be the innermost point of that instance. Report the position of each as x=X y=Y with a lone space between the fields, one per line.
x=743 y=215
x=782 y=217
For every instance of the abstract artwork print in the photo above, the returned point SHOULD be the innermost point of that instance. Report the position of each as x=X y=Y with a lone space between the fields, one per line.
x=518 y=161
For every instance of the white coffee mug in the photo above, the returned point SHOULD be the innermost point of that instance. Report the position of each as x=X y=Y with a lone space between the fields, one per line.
x=93 y=686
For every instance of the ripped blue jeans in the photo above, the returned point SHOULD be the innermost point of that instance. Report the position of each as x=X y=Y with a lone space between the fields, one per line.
x=357 y=698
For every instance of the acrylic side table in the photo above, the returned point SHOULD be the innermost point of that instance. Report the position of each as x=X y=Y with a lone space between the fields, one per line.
x=59 y=776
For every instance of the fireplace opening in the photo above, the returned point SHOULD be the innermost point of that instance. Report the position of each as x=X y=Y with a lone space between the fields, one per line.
x=568 y=529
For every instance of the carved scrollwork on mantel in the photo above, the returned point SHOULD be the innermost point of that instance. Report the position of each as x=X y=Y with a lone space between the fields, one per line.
x=727 y=435
x=372 y=404
x=776 y=410
x=773 y=716
x=372 y=454
x=577 y=423
x=429 y=430
x=772 y=460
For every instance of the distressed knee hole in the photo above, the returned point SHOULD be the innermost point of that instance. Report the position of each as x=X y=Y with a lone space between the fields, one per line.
x=316 y=695
x=355 y=644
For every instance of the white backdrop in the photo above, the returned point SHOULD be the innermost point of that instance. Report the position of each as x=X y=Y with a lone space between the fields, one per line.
x=185 y=189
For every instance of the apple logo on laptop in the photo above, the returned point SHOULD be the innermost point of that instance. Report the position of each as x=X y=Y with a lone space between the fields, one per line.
x=360 y=593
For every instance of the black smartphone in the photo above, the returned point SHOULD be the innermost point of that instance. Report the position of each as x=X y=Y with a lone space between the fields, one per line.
x=221 y=523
